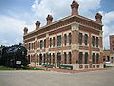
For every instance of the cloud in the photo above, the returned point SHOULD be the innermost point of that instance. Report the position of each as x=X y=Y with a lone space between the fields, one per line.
x=60 y=9
x=11 y=30
x=108 y=28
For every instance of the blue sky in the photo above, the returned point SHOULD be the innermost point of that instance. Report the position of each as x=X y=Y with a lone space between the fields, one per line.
x=16 y=14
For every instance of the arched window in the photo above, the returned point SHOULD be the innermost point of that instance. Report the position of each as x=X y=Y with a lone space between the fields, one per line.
x=80 y=38
x=97 y=58
x=44 y=43
x=97 y=41
x=44 y=58
x=65 y=58
x=50 y=42
x=86 y=58
x=70 y=56
x=29 y=45
x=86 y=39
x=41 y=44
x=80 y=57
x=50 y=58
x=53 y=58
x=70 y=38
x=40 y=59
x=93 y=58
x=53 y=41
x=65 y=39
x=59 y=40
x=93 y=41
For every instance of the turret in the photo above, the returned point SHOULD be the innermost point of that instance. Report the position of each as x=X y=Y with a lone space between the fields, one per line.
x=37 y=24
x=49 y=19
x=74 y=7
x=25 y=30
x=98 y=18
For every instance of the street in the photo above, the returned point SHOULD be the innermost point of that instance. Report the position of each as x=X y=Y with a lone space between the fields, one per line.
x=50 y=78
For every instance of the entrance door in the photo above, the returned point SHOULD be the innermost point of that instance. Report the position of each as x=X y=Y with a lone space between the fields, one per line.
x=58 y=59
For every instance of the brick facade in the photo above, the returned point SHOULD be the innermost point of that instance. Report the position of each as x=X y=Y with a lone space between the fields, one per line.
x=59 y=42
x=112 y=43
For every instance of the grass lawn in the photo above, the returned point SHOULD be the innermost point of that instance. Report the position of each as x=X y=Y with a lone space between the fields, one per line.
x=25 y=68
x=6 y=68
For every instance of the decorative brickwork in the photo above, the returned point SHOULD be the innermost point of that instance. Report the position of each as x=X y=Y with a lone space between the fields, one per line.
x=59 y=42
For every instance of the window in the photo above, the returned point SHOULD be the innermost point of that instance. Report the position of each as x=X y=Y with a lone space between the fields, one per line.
x=97 y=41
x=59 y=40
x=86 y=58
x=80 y=38
x=53 y=41
x=50 y=58
x=41 y=44
x=86 y=39
x=29 y=46
x=44 y=58
x=40 y=59
x=97 y=58
x=53 y=58
x=93 y=58
x=65 y=39
x=65 y=58
x=70 y=38
x=58 y=59
x=44 y=43
x=50 y=42
x=80 y=57
x=70 y=56
x=93 y=41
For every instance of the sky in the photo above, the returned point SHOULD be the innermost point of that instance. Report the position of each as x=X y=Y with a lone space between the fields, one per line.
x=17 y=14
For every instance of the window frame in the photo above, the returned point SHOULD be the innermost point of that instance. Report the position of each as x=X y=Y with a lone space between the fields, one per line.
x=59 y=40
x=80 y=37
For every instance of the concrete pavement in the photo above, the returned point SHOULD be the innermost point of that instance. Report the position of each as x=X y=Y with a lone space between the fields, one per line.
x=48 y=78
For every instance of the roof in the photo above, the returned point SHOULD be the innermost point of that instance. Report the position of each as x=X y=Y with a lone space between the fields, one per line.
x=65 y=18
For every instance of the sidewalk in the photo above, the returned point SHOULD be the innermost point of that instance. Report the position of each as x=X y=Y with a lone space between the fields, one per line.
x=73 y=71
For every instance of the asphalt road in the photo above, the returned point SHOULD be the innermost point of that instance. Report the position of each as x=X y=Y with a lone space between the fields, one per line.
x=47 y=78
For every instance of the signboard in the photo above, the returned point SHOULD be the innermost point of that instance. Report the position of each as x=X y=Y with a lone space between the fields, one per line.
x=18 y=62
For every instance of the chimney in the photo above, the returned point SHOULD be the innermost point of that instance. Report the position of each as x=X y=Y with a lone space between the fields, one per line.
x=49 y=19
x=25 y=30
x=37 y=24
x=74 y=7
x=98 y=18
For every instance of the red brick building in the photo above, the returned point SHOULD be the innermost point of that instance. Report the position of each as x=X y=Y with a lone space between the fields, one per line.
x=73 y=40
x=112 y=43
x=108 y=55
